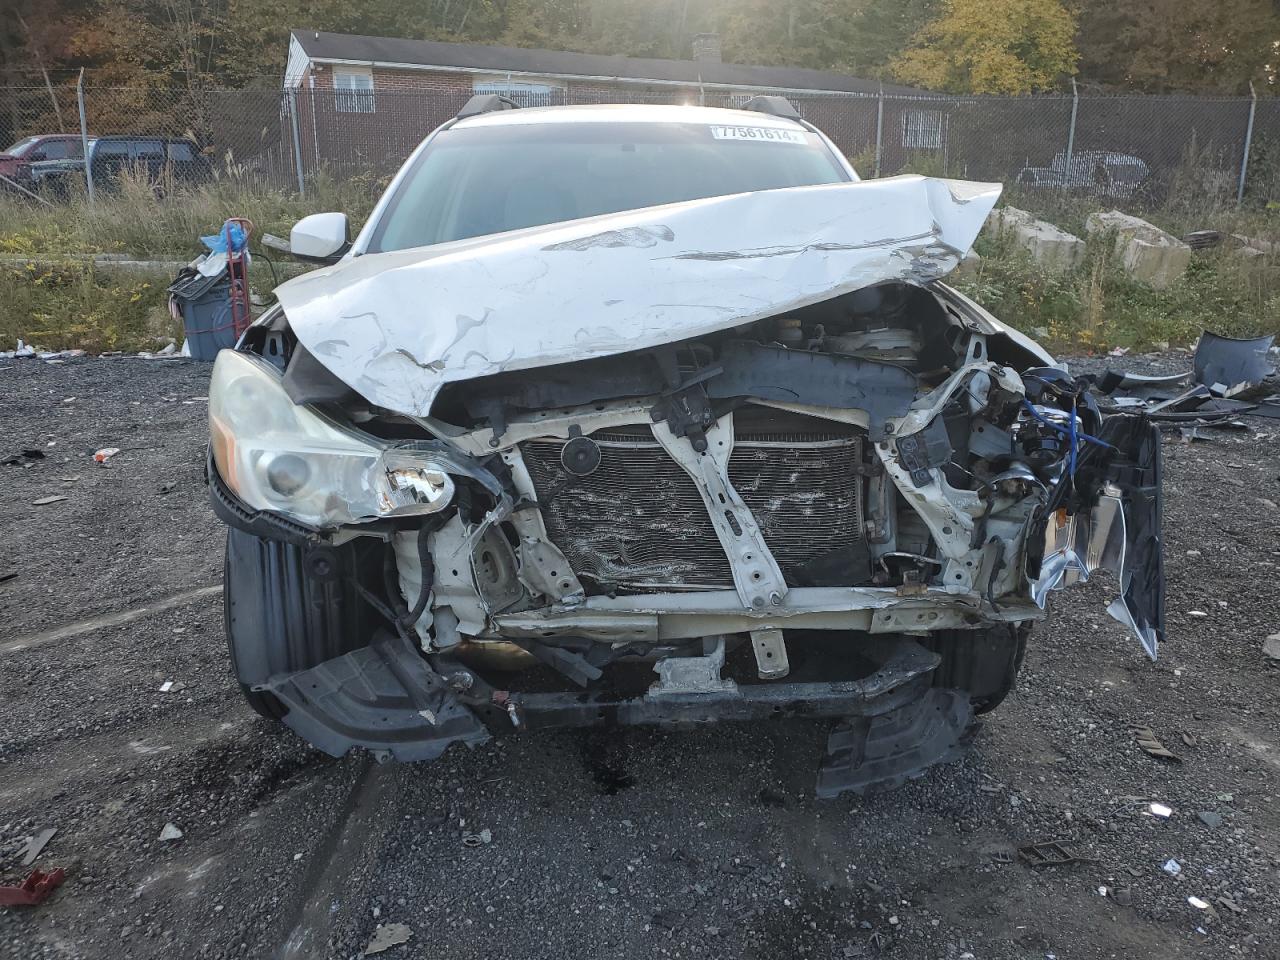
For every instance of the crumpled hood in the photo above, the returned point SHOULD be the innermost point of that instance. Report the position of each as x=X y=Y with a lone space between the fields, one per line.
x=398 y=326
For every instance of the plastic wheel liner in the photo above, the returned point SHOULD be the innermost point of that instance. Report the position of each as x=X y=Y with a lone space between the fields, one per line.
x=384 y=697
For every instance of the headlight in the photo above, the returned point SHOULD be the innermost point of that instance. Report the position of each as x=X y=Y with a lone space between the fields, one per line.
x=276 y=455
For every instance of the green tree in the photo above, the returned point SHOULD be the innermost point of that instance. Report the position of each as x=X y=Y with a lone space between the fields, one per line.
x=801 y=33
x=882 y=30
x=992 y=46
x=1161 y=46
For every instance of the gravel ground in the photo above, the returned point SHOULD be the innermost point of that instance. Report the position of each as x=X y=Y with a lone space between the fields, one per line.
x=629 y=843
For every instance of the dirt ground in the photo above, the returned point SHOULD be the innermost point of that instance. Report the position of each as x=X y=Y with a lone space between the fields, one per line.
x=629 y=843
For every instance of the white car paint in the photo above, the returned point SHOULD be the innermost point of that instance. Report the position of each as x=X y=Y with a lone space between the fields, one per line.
x=398 y=326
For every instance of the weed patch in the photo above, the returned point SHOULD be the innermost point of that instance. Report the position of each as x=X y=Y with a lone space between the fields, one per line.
x=67 y=306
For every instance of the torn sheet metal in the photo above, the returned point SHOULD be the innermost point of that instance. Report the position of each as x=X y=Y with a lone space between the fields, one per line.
x=398 y=326
x=1228 y=366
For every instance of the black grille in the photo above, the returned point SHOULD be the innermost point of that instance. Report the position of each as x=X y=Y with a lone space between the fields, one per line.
x=638 y=523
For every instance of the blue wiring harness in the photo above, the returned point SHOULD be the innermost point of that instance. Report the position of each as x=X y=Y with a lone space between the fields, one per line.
x=1072 y=433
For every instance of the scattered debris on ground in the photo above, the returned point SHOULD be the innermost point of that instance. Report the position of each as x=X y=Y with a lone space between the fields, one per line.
x=35 y=846
x=387 y=936
x=1148 y=741
x=1052 y=853
x=1230 y=379
x=34 y=890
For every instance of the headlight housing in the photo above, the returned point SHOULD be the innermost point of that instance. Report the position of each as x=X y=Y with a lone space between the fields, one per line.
x=276 y=455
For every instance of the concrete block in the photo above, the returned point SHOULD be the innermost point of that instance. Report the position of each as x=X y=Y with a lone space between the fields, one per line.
x=1148 y=254
x=1052 y=248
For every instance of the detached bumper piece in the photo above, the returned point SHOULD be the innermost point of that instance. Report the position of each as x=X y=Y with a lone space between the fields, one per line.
x=879 y=753
x=383 y=697
x=387 y=699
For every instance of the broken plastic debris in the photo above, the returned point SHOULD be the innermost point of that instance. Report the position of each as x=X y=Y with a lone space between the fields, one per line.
x=60 y=355
x=170 y=832
x=166 y=686
x=44 y=501
x=1147 y=740
x=105 y=454
x=476 y=839
x=387 y=936
x=36 y=844
x=1172 y=867
x=35 y=889
x=1230 y=366
x=1198 y=903
x=1052 y=853
x=1271 y=646
x=1160 y=810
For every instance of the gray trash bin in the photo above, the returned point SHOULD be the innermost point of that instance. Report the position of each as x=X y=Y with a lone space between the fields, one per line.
x=205 y=303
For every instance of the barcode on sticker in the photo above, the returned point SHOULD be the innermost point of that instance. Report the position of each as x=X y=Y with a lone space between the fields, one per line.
x=766 y=134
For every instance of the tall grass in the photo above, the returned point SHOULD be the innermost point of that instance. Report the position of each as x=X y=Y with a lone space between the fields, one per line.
x=1098 y=305
x=62 y=306
x=165 y=221
x=58 y=302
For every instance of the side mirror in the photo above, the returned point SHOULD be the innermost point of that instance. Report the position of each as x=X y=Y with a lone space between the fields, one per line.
x=320 y=238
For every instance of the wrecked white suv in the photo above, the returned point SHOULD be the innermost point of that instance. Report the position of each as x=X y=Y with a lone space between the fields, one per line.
x=656 y=415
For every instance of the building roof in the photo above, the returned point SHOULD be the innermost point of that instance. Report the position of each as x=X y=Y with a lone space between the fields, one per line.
x=422 y=54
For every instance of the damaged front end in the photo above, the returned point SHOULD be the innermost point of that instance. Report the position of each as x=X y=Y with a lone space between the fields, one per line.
x=623 y=471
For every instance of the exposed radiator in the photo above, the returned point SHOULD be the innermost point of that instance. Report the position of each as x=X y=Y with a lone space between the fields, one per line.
x=638 y=523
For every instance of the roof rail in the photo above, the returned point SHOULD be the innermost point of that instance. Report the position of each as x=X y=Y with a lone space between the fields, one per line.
x=774 y=106
x=486 y=103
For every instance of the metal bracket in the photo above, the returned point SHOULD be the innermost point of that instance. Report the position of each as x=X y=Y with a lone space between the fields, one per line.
x=682 y=676
x=755 y=572
x=543 y=567
x=771 y=654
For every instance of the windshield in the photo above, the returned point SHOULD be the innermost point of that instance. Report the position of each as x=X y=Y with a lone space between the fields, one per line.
x=21 y=147
x=482 y=180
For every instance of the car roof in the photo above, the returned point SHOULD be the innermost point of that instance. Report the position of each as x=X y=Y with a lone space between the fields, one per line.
x=141 y=136
x=629 y=113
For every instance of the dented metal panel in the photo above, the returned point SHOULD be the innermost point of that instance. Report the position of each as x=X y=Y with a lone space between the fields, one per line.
x=398 y=326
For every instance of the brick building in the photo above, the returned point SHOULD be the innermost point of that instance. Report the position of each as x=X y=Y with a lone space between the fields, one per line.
x=368 y=101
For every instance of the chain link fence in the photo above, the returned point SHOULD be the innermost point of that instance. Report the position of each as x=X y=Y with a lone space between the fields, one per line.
x=1135 y=151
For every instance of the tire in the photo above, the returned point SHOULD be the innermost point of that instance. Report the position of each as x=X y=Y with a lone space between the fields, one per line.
x=278 y=619
x=985 y=663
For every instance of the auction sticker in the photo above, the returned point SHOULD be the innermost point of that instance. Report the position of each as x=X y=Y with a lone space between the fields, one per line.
x=766 y=134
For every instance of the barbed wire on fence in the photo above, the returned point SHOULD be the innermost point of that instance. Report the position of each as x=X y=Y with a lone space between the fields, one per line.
x=1124 y=148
